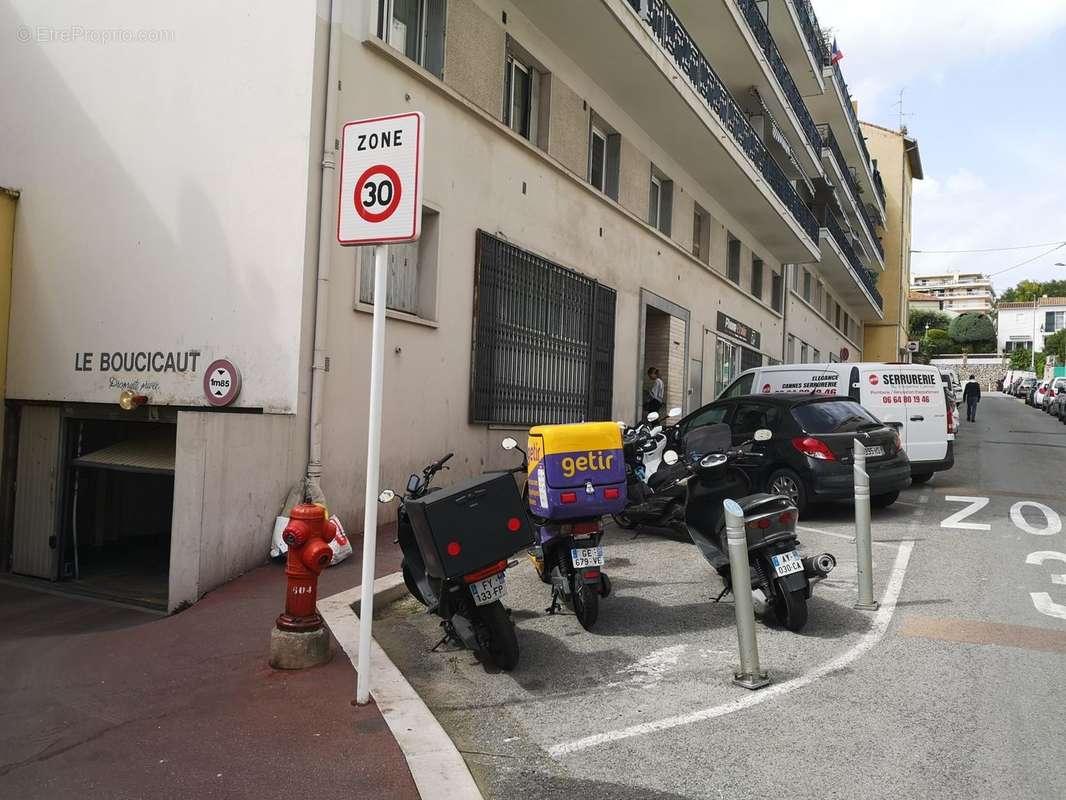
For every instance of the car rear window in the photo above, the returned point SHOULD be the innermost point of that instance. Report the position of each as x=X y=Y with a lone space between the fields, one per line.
x=838 y=416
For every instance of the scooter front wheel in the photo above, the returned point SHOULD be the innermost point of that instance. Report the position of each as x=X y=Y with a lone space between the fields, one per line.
x=502 y=637
x=790 y=608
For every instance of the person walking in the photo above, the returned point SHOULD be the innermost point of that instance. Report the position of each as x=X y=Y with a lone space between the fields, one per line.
x=971 y=395
x=656 y=392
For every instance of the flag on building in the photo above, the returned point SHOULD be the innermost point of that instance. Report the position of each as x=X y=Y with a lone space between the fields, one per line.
x=837 y=54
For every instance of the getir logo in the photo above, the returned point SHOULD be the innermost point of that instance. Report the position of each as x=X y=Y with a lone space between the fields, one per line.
x=591 y=462
x=874 y=380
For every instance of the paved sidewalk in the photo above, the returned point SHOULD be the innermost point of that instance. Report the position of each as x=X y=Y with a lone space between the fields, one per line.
x=101 y=701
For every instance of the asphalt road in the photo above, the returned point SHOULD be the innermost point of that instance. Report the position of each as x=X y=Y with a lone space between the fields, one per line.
x=953 y=689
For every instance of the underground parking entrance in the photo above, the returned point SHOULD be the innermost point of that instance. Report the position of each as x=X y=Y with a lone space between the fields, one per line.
x=93 y=499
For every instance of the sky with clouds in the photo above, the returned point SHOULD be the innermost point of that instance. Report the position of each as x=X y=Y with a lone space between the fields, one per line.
x=985 y=92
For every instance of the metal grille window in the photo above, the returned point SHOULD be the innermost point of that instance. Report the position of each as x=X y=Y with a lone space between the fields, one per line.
x=543 y=340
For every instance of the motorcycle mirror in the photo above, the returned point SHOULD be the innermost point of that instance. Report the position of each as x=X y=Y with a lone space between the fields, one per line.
x=674 y=413
x=622 y=425
x=509 y=443
x=387 y=496
x=763 y=435
x=670 y=457
x=654 y=415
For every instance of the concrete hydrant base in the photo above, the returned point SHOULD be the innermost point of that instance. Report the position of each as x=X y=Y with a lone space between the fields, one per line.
x=299 y=650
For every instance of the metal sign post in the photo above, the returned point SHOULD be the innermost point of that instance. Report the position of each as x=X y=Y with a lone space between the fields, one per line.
x=863 y=535
x=380 y=202
x=750 y=676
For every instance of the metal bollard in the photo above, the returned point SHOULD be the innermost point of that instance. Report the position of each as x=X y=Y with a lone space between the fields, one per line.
x=749 y=676
x=863 y=536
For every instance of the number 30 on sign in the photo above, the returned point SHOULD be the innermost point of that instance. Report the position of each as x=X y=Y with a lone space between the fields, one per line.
x=381 y=180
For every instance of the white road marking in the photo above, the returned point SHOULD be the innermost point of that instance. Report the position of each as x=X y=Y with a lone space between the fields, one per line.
x=956 y=519
x=923 y=498
x=1054 y=521
x=835 y=535
x=649 y=670
x=877 y=631
x=904 y=503
x=1042 y=600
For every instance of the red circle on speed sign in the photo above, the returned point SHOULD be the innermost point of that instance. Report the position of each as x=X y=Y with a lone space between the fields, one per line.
x=377 y=190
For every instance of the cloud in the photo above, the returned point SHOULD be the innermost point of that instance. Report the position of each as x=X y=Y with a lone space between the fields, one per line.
x=964 y=212
x=908 y=38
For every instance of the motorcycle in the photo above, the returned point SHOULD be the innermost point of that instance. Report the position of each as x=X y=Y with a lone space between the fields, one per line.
x=568 y=556
x=470 y=608
x=778 y=571
x=655 y=500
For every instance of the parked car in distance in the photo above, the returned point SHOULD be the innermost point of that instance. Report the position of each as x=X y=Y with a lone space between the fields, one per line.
x=909 y=394
x=1052 y=393
x=1057 y=406
x=1036 y=396
x=1023 y=386
x=810 y=456
x=953 y=410
x=952 y=385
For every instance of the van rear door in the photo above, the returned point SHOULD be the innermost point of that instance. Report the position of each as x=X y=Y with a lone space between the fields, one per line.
x=913 y=395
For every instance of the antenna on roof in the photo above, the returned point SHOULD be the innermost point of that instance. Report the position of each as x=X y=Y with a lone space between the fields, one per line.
x=902 y=115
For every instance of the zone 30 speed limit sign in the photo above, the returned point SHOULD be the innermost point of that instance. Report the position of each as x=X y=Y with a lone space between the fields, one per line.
x=381 y=180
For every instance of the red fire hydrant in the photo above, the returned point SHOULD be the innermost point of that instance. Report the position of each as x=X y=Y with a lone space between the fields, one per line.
x=308 y=535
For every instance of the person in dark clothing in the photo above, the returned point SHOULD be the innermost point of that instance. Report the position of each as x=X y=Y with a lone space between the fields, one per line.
x=971 y=395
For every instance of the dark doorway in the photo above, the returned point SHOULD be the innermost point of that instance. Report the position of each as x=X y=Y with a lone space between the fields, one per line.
x=118 y=499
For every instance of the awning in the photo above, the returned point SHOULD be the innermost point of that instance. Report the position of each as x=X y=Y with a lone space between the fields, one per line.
x=153 y=455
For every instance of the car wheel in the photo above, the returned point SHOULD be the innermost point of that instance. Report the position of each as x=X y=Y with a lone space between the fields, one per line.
x=923 y=477
x=884 y=500
x=788 y=483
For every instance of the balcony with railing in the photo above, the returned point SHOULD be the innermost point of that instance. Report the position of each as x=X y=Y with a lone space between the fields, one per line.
x=845 y=271
x=799 y=36
x=640 y=56
x=762 y=35
x=735 y=34
x=856 y=209
x=879 y=185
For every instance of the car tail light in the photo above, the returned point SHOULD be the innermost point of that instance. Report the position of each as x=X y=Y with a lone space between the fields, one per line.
x=951 y=419
x=761 y=524
x=568 y=497
x=592 y=573
x=786 y=518
x=488 y=572
x=610 y=494
x=579 y=528
x=815 y=448
x=897 y=443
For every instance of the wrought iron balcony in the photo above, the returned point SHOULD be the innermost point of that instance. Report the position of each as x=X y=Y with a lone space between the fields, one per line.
x=852 y=118
x=812 y=32
x=680 y=46
x=829 y=221
x=829 y=141
x=777 y=63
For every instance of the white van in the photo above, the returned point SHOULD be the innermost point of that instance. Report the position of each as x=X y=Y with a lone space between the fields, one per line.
x=909 y=394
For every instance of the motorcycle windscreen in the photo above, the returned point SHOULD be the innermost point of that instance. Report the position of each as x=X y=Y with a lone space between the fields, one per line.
x=709 y=439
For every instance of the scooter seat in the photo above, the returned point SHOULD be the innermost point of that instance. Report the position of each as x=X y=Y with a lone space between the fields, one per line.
x=666 y=474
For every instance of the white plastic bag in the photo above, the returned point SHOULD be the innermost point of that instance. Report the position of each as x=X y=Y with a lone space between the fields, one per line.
x=342 y=548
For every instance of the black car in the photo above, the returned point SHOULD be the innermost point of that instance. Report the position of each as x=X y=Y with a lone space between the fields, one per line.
x=811 y=454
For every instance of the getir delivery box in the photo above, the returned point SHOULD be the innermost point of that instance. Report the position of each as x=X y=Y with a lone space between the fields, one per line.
x=576 y=470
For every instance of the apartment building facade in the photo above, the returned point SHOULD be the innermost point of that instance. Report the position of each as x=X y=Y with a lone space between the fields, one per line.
x=1021 y=325
x=960 y=292
x=900 y=163
x=609 y=185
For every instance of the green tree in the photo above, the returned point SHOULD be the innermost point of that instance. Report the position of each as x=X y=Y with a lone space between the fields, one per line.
x=937 y=342
x=1055 y=345
x=920 y=319
x=1021 y=359
x=1026 y=291
x=974 y=333
x=1041 y=360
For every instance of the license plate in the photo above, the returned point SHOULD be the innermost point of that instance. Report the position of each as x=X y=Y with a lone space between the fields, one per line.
x=489 y=590
x=875 y=451
x=587 y=557
x=787 y=563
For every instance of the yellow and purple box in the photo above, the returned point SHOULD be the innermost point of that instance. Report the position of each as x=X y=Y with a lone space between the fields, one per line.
x=576 y=470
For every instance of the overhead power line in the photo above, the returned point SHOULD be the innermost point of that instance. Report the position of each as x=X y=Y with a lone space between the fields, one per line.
x=995 y=249
x=1059 y=246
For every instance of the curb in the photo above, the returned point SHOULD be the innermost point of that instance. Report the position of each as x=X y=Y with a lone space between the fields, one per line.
x=437 y=767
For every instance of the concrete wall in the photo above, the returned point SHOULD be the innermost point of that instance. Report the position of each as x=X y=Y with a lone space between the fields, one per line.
x=473 y=44
x=568 y=131
x=232 y=473
x=163 y=196
x=986 y=370
x=8 y=201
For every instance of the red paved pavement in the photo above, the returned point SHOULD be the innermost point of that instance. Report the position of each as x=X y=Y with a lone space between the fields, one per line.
x=98 y=701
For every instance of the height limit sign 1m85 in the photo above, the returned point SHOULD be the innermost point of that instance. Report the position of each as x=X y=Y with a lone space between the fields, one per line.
x=381 y=180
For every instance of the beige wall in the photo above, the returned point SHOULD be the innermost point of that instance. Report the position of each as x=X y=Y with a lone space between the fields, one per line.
x=474 y=53
x=884 y=339
x=568 y=128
